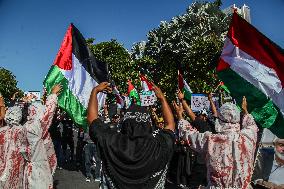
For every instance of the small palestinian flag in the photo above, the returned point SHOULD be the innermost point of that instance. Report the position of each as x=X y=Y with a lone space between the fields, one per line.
x=251 y=65
x=224 y=87
x=183 y=86
x=133 y=94
x=77 y=70
x=119 y=99
x=146 y=85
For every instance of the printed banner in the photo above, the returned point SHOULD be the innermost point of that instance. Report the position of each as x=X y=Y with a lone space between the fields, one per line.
x=148 y=98
x=200 y=101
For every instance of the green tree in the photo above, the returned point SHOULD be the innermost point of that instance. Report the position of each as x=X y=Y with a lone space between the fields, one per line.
x=8 y=84
x=119 y=60
x=188 y=42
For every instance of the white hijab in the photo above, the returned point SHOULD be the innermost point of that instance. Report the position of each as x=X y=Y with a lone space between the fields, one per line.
x=13 y=116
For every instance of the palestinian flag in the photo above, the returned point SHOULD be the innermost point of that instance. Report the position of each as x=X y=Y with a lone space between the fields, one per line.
x=184 y=87
x=146 y=85
x=253 y=66
x=119 y=100
x=133 y=94
x=223 y=87
x=77 y=70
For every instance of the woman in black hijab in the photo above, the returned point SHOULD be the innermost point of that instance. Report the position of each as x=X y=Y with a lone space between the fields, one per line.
x=135 y=158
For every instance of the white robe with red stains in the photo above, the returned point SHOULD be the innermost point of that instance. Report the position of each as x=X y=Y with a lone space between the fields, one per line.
x=12 y=142
x=229 y=154
x=41 y=158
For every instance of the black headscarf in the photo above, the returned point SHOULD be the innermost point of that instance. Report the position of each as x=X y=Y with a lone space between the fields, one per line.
x=132 y=156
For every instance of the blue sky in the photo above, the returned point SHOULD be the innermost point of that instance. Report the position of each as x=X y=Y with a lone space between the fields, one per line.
x=32 y=31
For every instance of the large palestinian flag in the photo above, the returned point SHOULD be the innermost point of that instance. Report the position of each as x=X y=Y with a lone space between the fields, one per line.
x=77 y=70
x=251 y=65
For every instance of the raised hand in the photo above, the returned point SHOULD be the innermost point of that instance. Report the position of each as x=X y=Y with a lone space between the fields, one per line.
x=245 y=105
x=210 y=96
x=180 y=95
x=158 y=92
x=2 y=103
x=104 y=86
x=178 y=108
x=56 y=89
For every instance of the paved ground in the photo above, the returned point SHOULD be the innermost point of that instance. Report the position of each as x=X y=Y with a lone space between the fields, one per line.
x=71 y=178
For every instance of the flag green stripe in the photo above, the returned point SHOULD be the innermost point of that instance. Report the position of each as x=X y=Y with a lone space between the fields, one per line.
x=66 y=99
x=264 y=111
x=187 y=94
x=134 y=94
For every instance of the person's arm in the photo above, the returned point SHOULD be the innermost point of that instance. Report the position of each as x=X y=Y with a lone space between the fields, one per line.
x=179 y=110
x=186 y=106
x=14 y=96
x=212 y=105
x=166 y=110
x=2 y=109
x=93 y=111
x=50 y=109
x=250 y=128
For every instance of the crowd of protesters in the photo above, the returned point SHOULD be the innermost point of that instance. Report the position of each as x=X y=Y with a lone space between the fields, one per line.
x=160 y=146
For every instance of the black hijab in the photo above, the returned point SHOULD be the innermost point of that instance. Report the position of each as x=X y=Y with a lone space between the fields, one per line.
x=132 y=156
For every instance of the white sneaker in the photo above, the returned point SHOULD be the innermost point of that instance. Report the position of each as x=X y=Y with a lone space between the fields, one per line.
x=88 y=179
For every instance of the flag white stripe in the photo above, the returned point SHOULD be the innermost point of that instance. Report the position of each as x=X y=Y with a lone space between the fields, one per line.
x=145 y=86
x=81 y=83
x=186 y=86
x=262 y=77
x=116 y=92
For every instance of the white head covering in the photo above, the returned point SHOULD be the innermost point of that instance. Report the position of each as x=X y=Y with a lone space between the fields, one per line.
x=276 y=139
x=229 y=118
x=13 y=116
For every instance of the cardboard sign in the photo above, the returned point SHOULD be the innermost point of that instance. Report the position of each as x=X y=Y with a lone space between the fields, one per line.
x=148 y=98
x=200 y=101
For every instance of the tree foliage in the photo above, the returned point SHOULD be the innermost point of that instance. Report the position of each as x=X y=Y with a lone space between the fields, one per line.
x=188 y=42
x=8 y=84
x=120 y=63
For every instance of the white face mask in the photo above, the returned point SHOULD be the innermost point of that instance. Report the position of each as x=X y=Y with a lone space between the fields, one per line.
x=278 y=154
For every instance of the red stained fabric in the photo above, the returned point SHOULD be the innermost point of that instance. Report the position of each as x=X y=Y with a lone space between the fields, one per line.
x=229 y=155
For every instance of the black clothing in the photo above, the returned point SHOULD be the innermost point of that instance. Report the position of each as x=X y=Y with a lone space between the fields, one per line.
x=134 y=155
x=201 y=125
x=263 y=164
x=54 y=129
x=180 y=166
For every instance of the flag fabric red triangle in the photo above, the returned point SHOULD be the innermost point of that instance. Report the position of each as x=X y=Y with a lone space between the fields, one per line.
x=130 y=86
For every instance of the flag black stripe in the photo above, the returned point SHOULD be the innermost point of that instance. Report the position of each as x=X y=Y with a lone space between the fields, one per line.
x=98 y=70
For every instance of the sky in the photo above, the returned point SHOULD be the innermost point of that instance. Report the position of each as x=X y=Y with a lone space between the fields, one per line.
x=31 y=31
